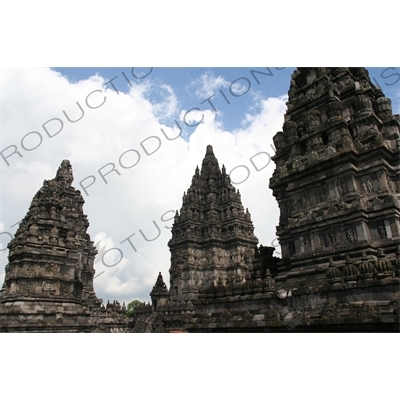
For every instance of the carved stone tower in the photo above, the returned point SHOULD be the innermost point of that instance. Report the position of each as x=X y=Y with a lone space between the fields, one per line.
x=212 y=236
x=49 y=278
x=337 y=176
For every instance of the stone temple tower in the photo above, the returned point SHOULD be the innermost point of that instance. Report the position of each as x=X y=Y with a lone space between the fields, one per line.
x=337 y=178
x=212 y=236
x=49 y=278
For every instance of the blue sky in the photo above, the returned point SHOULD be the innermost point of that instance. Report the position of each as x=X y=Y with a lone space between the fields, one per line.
x=185 y=83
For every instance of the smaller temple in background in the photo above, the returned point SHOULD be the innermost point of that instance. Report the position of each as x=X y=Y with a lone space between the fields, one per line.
x=48 y=286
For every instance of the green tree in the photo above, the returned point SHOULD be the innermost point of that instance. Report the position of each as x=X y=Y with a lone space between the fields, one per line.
x=131 y=307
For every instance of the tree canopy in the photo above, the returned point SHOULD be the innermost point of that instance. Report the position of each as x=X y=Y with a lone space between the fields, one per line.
x=131 y=307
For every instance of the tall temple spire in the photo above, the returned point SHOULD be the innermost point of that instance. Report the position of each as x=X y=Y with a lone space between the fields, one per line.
x=212 y=235
x=51 y=261
x=335 y=176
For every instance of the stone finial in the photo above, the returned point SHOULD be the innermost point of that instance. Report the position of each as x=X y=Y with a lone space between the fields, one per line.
x=269 y=282
x=210 y=164
x=333 y=274
x=350 y=271
x=366 y=267
x=290 y=130
x=383 y=106
x=160 y=281
x=362 y=102
x=64 y=174
x=383 y=265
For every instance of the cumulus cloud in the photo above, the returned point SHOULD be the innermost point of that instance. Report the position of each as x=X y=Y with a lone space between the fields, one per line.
x=131 y=167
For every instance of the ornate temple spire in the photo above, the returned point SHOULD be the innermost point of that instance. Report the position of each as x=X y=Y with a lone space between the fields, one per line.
x=335 y=158
x=51 y=256
x=212 y=235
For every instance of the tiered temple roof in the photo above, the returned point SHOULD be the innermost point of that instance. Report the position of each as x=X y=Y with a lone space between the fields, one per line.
x=213 y=235
x=48 y=284
x=337 y=172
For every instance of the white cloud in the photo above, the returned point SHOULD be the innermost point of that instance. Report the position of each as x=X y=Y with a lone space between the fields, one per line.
x=164 y=102
x=168 y=107
x=137 y=202
x=208 y=84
